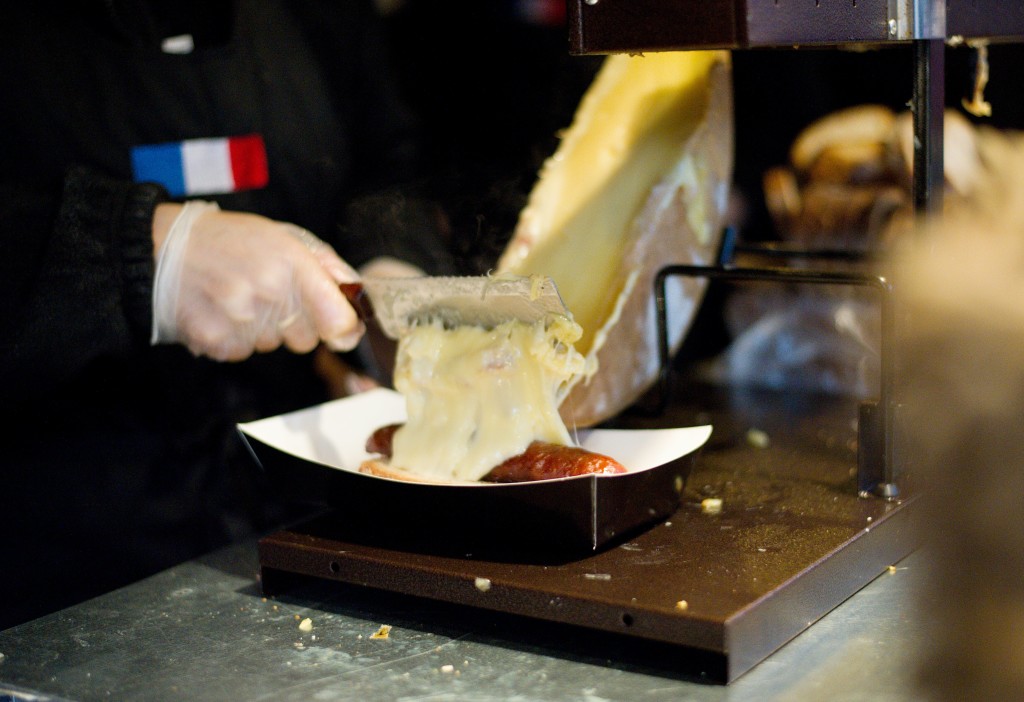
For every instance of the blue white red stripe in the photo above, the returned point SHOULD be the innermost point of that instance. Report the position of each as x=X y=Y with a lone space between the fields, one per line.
x=203 y=166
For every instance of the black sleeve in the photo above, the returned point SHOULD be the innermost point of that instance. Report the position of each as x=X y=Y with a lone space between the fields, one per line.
x=76 y=278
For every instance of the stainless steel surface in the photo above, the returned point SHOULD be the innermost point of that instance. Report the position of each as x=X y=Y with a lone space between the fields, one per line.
x=484 y=300
x=202 y=631
x=918 y=19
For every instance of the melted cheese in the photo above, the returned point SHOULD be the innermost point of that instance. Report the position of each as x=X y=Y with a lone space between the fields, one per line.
x=476 y=397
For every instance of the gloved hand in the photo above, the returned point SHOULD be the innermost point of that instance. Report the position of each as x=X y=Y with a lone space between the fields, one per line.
x=230 y=283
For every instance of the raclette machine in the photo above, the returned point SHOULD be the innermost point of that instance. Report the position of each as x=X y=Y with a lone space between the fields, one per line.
x=725 y=591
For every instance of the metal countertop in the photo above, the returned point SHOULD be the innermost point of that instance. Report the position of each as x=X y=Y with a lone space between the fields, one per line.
x=203 y=631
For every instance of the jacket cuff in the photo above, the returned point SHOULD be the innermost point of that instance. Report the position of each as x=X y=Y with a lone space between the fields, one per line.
x=125 y=210
x=138 y=267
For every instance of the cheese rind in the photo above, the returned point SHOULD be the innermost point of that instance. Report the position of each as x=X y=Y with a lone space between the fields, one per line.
x=640 y=180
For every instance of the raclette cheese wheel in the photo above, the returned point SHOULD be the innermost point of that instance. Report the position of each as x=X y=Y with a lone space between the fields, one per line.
x=640 y=179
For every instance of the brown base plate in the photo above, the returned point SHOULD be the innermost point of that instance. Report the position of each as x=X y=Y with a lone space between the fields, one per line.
x=792 y=541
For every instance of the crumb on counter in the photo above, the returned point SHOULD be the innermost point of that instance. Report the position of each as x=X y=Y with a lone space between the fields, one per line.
x=711 y=505
x=382 y=633
x=682 y=605
x=758 y=438
x=892 y=569
x=482 y=584
x=449 y=668
x=306 y=624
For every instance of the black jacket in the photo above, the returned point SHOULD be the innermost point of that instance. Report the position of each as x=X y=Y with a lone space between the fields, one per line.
x=121 y=458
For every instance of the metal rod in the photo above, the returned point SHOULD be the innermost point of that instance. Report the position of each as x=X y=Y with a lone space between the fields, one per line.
x=928 y=106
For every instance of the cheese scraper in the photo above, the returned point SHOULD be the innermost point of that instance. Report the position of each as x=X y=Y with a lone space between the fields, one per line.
x=399 y=303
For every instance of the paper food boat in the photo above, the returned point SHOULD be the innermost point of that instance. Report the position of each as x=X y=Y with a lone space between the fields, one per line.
x=314 y=456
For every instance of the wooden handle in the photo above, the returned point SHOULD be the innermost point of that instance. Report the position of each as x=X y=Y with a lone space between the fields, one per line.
x=357 y=297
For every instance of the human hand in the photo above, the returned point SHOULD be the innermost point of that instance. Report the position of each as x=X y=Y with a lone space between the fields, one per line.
x=229 y=284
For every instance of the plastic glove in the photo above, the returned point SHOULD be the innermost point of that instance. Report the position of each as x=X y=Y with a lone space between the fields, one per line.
x=230 y=283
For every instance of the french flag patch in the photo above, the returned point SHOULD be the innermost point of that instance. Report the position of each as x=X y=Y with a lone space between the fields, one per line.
x=203 y=166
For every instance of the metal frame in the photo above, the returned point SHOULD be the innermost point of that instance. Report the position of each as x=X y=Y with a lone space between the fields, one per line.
x=877 y=471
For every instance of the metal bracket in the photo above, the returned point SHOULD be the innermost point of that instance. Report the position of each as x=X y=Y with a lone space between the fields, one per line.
x=917 y=19
x=876 y=464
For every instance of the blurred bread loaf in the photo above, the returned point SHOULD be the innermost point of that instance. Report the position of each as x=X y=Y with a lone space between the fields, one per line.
x=849 y=179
